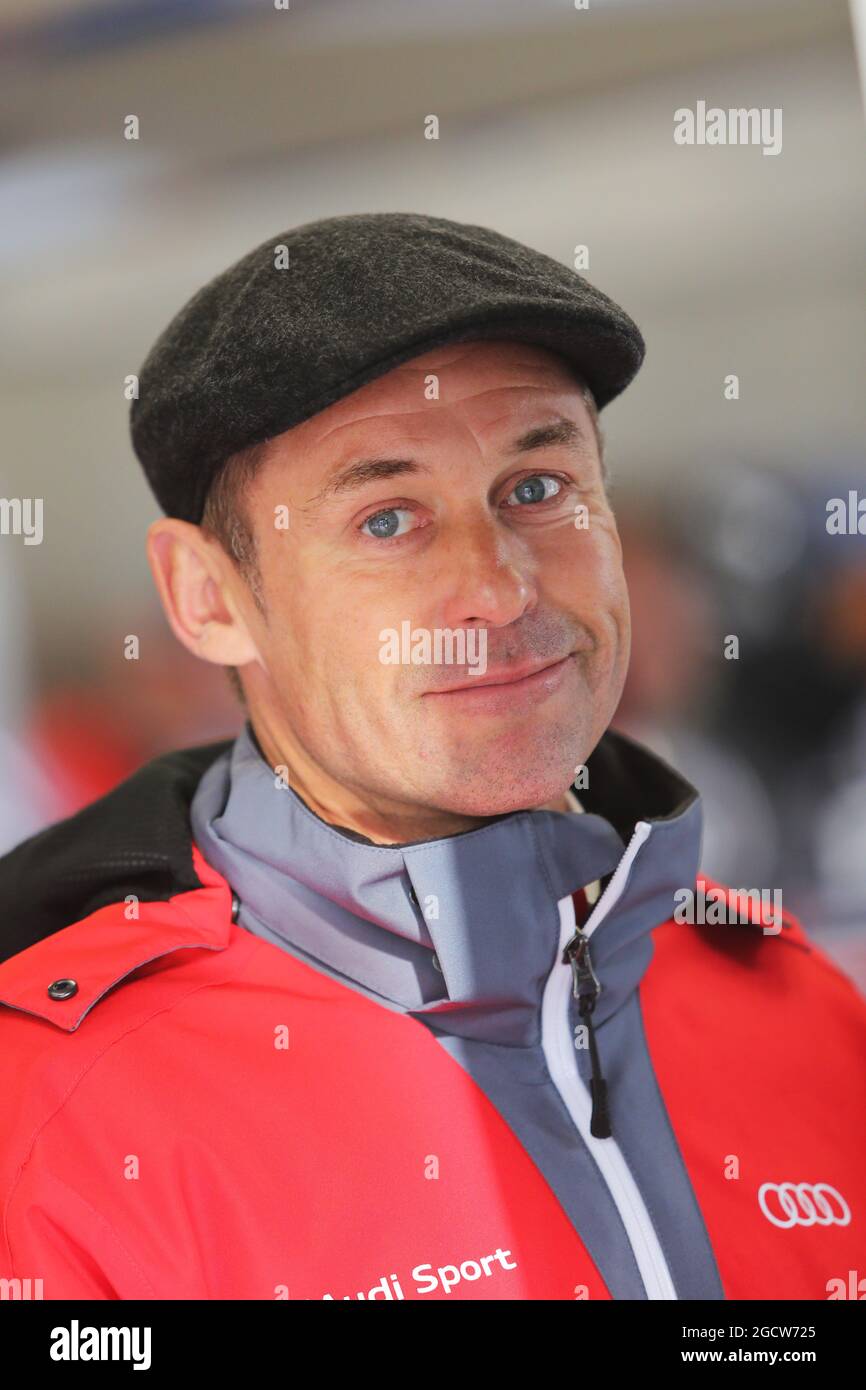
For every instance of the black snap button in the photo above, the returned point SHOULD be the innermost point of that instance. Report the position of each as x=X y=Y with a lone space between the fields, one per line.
x=413 y=896
x=62 y=989
x=236 y=906
x=436 y=964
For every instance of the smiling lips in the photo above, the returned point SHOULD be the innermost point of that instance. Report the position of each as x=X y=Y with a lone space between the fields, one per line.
x=508 y=688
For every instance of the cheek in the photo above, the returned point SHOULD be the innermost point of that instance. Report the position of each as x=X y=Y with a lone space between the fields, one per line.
x=290 y=635
x=587 y=573
x=323 y=636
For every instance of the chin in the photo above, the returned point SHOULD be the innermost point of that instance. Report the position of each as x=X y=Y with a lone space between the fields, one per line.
x=491 y=799
x=521 y=773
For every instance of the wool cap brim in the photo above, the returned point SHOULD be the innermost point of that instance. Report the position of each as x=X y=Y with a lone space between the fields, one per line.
x=315 y=312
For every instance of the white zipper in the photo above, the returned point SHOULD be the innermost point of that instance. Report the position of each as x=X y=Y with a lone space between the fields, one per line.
x=559 y=1051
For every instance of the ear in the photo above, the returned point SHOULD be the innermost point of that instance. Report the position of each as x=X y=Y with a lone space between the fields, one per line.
x=198 y=592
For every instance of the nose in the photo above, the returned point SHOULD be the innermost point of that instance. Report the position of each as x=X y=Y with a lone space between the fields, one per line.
x=490 y=575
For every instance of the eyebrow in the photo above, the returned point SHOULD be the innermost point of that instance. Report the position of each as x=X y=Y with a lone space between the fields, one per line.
x=559 y=431
x=356 y=475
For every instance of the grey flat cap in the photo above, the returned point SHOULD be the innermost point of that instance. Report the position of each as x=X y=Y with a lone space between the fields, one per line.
x=263 y=345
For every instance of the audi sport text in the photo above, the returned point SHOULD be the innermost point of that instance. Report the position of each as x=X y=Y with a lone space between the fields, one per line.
x=427 y=1279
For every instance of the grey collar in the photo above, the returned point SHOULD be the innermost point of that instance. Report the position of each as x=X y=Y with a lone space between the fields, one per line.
x=464 y=927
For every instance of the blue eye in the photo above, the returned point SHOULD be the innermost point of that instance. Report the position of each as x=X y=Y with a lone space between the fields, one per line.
x=535 y=489
x=384 y=524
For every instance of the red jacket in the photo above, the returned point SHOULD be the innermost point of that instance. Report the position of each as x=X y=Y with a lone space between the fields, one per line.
x=208 y=1116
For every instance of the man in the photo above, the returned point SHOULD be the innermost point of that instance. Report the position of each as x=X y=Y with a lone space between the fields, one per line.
x=392 y=996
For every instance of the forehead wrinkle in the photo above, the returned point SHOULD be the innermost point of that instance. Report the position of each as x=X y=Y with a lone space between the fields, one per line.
x=347 y=476
x=388 y=407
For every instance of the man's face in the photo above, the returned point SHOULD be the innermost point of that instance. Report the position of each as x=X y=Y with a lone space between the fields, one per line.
x=459 y=529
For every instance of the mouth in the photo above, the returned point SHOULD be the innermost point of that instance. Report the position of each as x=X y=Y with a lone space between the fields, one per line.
x=507 y=688
x=504 y=675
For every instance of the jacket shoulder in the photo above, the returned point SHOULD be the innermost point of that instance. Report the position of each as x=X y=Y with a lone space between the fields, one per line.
x=755 y=908
x=751 y=919
x=135 y=839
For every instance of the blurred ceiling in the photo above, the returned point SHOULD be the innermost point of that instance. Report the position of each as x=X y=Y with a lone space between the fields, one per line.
x=555 y=127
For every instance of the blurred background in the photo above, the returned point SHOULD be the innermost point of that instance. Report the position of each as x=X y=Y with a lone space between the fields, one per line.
x=556 y=127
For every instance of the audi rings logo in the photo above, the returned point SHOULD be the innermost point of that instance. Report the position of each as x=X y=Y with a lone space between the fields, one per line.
x=803 y=1204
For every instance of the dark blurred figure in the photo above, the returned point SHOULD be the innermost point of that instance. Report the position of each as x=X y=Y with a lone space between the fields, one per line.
x=673 y=687
x=777 y=735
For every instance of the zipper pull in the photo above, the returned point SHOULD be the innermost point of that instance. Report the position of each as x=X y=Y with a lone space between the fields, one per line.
x=587 y=988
